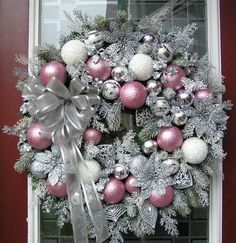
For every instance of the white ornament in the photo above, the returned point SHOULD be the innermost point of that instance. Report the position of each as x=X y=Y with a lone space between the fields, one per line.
x=142 y=66
x=93 y=167
x=73 y=52
x=37 y=170
x=195 y=150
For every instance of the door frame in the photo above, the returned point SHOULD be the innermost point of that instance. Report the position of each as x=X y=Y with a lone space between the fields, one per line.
x=214 y=54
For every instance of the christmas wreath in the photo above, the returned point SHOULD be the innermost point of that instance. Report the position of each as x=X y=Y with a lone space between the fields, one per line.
x=121 y=126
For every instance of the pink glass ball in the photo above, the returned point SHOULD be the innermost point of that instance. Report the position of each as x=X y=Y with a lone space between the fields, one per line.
x=36 y=139
x=203 y=94
x=92 y=135
x=114 y=191
x=100 y=70
x=53 y=69
x=133 y=95
x=162 y=201
x=129 y=184
x=173 y=77
x=58 y=190
x=170 y=138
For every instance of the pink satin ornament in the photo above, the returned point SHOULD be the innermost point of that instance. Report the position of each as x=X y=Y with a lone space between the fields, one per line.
x=92 y=135
x=35 y=137
x=58 y=190
x=170 y=138
x=133 y=95
x=203 y=94
x=173 y=77
x=100 y=70
x=161 y=201
x=53 y=69
x=129 y=184
x=114 y=191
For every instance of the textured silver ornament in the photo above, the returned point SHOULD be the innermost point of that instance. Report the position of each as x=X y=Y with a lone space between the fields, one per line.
x=149 y=146
x=121 y=171
x=149 y=38
x=165 y=52
x=37 y=169
x=161 y=107
x=148 y=213
x=179 y=118
x=172 y=165
x=154 y=86
x=95 y=38
x=183 y=179
x=114 y=212
x=184 y=98
x=137 y=164
x=110 y=90
x=119 y=73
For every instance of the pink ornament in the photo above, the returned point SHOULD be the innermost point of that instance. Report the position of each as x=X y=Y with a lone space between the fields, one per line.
x=170 y=138
x=35 y=137
x=133 y=95
x=92 y=135
x=129 y=184
x=162 y=200
x=53 y=69
x=173 y=77
x=100 y=69
x=58 y=190
x=203 y=94
x=114 y=191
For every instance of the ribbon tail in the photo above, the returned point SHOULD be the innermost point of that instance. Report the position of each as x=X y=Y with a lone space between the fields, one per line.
x=75 y=198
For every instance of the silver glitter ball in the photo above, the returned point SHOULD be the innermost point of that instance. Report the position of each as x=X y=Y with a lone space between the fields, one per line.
x=149 y=146
x=154 y=86
x=161 y=107
x=110 y=90
x=184 y=98
x=165 y=52
x=149 y=38
x=121 y=171
x=95 y=38
x=37 y=170
x=137 y=163
x=179 y=118
x=119 y=73
x=172 y=165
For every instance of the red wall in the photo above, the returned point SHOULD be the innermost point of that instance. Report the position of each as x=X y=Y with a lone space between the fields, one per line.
x=13 y=187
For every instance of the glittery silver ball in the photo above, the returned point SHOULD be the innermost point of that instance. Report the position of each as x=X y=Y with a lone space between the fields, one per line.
x=161 y=107
x=184 y=98
x=95 y=38
x=154 y=86
x=165 y=52
x=172 y=165
x=149 y=38
x=110 y=90
x=121 y=171
x=149 y=146
x=37 y=170
x=119 y=73
x=137 y=163
x=179 y=118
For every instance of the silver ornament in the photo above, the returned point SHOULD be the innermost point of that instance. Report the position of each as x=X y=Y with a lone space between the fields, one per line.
x=149 y=146
x=95 y=38
x=119 y=73
x=110 y=90
x=179 y=118
x=37 y=170
x=137 y=164
x=172 y=165
x=154 y=86
x=183 y=179
x=121 y=171
x=184 y=98
x=149 y=38
x=148 y=213
x=114 y=212
x=165 y=52
x=161 y=107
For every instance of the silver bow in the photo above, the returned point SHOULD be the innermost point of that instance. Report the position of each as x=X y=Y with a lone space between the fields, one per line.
x=65 y=113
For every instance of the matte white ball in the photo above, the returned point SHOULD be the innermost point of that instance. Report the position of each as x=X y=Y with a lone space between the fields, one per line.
x=195 y=150
x=142 y=66
x=93 y=168
x=73 y=52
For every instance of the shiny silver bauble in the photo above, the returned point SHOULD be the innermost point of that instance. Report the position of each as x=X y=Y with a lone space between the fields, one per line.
x=165 y=52
x=119 y=73
x=149 y=146
x=154 y=86
x=121 y=171
x=172 y=165
x=111 y=90
x=161 y=107
x=179 y=118
x=184 y=98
